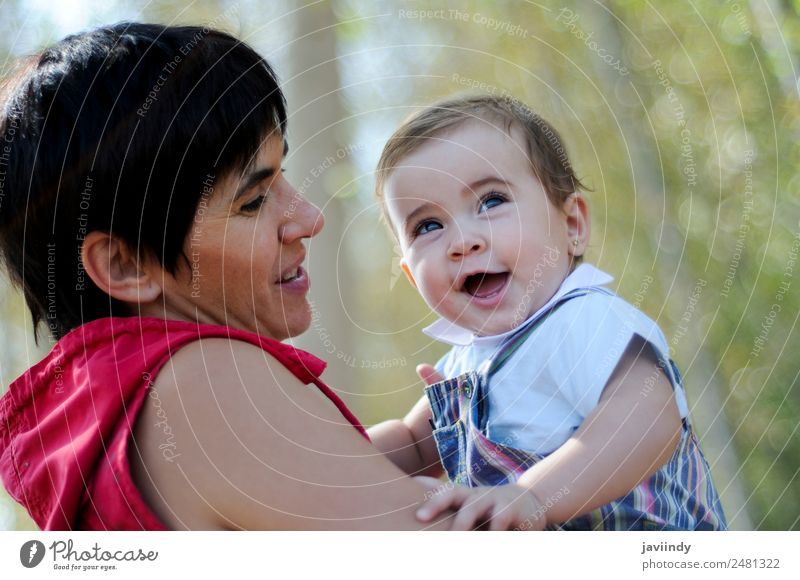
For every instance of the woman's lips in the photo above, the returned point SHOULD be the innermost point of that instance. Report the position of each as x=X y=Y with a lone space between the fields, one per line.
x=300 y=283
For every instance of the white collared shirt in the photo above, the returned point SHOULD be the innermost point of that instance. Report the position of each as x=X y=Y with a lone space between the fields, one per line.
x=555 y=379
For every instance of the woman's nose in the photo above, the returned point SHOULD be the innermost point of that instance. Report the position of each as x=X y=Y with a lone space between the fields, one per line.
x=465 y=245
x=302 y=219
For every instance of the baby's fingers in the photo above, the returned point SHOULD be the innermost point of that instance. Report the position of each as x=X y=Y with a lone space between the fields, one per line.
x=472 y=514
x=431 y=484
x=428 y=374
x=503 y=520
x=450 y=499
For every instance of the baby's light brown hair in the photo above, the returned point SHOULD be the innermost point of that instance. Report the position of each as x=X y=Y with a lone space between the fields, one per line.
x=545 y=150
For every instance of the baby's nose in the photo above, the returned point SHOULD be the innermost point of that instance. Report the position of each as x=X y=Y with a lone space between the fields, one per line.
x=464 y=246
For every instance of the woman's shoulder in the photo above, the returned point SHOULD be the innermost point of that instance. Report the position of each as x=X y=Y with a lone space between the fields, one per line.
x=212 y=358
x=204 y=397
x=244 y=432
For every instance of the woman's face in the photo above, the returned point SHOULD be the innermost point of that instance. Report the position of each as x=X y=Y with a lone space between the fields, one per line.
x=245 y=252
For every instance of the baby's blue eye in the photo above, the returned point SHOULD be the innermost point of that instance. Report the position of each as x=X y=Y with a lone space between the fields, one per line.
x=426 y=227
x=491 y=200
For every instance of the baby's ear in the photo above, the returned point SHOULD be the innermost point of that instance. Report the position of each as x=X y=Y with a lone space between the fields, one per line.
x=407 y=272
x=577 y=214
x=114 y=268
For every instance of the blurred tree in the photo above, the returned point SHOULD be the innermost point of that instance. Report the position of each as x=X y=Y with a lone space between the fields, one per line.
x=318 y=159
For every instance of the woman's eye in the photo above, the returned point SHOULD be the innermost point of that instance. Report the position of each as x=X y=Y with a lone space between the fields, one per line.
x=254 y=205
x=427 y=227
x=492 y=200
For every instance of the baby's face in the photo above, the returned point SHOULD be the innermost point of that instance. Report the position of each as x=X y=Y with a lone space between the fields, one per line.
x=484 y=244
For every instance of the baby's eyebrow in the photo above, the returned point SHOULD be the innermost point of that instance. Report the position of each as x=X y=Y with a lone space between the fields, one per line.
x=422 y=208
x=470 y=187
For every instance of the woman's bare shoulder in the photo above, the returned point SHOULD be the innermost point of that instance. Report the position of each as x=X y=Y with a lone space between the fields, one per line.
x=256 y=448
x=202 y=399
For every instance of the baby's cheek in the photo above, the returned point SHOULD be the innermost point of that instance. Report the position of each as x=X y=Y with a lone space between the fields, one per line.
x=426 y=287
x=431 y=286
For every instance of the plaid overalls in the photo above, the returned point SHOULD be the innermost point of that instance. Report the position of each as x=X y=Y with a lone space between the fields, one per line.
x=679 y=496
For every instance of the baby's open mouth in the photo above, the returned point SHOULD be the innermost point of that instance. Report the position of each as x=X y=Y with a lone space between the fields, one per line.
x=485 y=284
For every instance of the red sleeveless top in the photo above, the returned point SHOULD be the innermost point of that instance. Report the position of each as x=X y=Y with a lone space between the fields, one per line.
x=66 y=423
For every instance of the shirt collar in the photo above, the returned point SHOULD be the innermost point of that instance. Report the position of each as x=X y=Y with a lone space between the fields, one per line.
x=584 y=276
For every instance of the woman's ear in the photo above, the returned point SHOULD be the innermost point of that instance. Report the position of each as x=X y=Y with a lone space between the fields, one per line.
x=577 y=213
x=115 y=269
x=407 y=272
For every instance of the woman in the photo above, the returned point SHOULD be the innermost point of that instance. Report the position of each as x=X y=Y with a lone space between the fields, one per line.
x=144 y=215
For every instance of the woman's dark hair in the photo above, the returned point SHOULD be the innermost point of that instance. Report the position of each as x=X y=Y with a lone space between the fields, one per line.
x=121 y=129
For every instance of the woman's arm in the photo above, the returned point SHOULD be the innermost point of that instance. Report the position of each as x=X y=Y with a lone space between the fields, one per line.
x=254 y=448
x=409 y=443
x=632 y=432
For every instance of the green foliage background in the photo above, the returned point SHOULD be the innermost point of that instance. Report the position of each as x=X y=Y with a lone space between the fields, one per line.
x=683 y=119
x=696 y=189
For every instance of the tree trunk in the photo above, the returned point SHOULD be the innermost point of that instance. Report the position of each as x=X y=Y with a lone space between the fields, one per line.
x=312 y=90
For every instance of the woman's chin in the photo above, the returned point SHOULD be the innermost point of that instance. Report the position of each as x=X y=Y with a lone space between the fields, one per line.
x=302 y=321
x=289 y=323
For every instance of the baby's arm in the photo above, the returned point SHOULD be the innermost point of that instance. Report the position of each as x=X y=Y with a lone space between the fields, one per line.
x=408 y=443
x=631 y=433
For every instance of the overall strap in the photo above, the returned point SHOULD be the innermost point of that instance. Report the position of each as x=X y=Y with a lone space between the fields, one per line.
x=507 y=349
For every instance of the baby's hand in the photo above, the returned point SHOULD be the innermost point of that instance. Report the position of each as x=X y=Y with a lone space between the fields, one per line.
x=428 y=374
x=432 y=485
x=506 y=507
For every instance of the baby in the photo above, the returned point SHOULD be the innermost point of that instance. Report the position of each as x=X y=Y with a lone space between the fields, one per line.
x=560 y=395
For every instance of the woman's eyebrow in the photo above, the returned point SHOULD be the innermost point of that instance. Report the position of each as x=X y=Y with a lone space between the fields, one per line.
x=252 y=179
x=248 y=180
